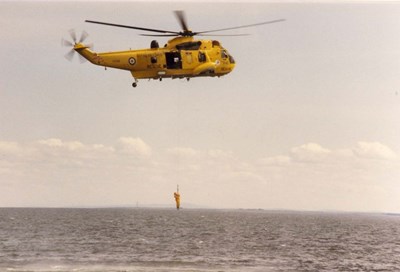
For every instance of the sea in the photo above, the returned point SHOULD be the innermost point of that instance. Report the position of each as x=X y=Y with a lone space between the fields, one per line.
x=196 y=240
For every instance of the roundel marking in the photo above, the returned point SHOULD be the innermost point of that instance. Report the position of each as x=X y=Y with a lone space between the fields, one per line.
x=132 y=61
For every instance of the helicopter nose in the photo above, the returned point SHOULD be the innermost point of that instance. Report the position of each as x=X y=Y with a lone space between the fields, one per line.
x=231 y=59
x=232 y=62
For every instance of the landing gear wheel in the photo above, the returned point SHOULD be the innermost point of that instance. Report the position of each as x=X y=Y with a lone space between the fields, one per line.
x=134 y=84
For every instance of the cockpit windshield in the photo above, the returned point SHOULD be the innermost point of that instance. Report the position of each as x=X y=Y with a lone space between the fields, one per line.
x=225 y=55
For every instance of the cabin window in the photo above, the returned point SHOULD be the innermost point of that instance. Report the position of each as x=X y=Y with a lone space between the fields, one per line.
x=202 y=57
x=174 y=60
x=153 y=59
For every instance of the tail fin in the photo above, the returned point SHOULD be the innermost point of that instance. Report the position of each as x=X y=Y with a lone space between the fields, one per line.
x=88 y=54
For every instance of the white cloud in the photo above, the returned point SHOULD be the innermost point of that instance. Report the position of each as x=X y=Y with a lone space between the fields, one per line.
x=374 y=150
x=103 y=148
x=310 y=152
x=58 y=143
x=12 y=149
x=9 y=147
x=51 y=142
x=134 y=146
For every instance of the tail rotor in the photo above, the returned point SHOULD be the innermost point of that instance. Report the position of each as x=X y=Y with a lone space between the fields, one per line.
x=67 y=43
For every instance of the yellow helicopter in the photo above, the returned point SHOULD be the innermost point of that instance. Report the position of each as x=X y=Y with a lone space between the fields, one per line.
x=181 y=57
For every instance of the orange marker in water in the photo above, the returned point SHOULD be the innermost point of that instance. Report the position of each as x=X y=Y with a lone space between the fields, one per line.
x=177 y=198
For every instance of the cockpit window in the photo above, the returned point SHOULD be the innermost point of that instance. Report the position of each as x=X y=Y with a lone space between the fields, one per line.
x=231 y=59
x=224 y=54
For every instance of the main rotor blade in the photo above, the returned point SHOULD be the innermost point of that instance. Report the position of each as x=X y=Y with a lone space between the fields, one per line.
x=133 y=27
x=223 y=35
x=159 y=35
x=243 y=26
x=182 y=20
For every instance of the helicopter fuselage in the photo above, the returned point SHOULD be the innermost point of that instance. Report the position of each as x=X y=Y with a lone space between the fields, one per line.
x=181 y=57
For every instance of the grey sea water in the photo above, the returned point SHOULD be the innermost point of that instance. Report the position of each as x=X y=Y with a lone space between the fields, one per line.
x=196 y=240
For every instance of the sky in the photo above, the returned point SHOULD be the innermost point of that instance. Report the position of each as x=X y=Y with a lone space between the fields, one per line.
x=308 y=120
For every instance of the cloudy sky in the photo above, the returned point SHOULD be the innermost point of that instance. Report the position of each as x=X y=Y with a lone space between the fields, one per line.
x=308 y=120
